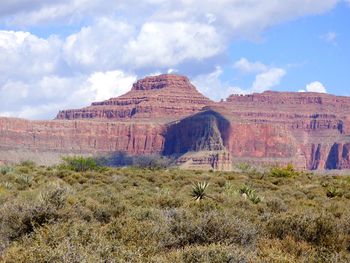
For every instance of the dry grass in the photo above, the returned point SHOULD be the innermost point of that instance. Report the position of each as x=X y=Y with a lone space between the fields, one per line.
x=58 y=214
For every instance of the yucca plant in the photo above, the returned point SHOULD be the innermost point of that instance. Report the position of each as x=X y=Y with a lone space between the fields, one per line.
x=249 y=193
x=254 y=198
x=8 y=185
x=333 y=192
x=199 y=190
x=245 y=189
x=5 y=170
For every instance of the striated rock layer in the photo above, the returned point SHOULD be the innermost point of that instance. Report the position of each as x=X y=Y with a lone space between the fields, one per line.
x=166 y=115
x=160 y=98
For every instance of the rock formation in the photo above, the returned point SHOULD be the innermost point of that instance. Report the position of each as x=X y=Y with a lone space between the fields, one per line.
x=161 y=98
x=166 y=115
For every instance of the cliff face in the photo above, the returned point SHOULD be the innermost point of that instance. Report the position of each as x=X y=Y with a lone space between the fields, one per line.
x=201 y=132
x=81 y=136
x=160 y=98
x=167 y=115
x=314 y=123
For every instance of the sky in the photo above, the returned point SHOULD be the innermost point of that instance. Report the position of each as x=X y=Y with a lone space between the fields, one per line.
x=68 y=53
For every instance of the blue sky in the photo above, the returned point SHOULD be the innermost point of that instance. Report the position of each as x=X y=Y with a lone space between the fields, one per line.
x=303 y=48
x=66 y=54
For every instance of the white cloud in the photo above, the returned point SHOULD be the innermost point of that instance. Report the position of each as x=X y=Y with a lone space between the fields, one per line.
x=137 y=37
x=266 y=76
x=212 y=86
x=155 y=45
x=245 y=66
x=315 y=86
x=236 y=17
x=268 y=79
x=25 y=56
x=110 y=84
x=98 y=47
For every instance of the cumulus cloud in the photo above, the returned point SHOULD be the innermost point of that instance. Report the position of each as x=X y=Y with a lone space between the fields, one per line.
x=25 y=56
x=110 y=84
x=245 y=66
x=239 y=16
x=315 y=86
x=212 y=86
x=154 y=44
x=98 y=47
x=266 y=77
x=115 y=41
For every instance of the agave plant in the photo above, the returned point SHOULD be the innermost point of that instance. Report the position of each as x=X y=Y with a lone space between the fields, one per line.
x=249 y=193
x=333 y=192
x=247 y=190
x=254 y=198
x=199 y=191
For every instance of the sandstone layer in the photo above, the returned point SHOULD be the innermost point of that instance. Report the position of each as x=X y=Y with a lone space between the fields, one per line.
x=161 y=98
x=167 y=115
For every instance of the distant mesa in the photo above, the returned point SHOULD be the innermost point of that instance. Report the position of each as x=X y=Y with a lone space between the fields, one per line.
x=167 y=115
x=160 y=98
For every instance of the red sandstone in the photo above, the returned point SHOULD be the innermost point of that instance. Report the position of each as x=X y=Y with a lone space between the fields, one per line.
x=166 y=115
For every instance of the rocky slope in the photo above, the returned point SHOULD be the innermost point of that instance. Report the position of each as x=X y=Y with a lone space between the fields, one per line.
x=166 y=115
x=159 y=98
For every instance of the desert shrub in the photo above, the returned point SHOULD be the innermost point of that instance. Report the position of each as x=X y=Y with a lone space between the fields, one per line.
x=153 y=162
x=199 y=191
x=23 y=181
x=276 y=205
x=166 y=200
x=208 y=228
x=250 y=193
x=5 y=170
x=213 y=254
x=28 y=163
x=79 y=163
x=291 y=251
x=18 y=218
x=64 y=242
x=142 y=215
x=332 y=192
x=117 y=159
x=55 y=196
x=316 y=228
x=284 y=172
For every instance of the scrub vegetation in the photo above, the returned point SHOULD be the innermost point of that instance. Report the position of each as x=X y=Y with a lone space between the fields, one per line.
x=81 y=212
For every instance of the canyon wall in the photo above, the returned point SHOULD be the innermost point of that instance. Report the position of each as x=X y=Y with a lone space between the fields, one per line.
x=166 y=115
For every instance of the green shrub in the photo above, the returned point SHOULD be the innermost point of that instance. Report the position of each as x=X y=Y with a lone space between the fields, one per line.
x=80 y=163
x=23 y=181
x=249 y=193
x=208 y=228
x=199 y=191
x=334 y=192
x=284 y=172
x=5 y=170
x=318 y=229
x=152 y=162
x=28 y=163
x=18 y=218
x=215 y=254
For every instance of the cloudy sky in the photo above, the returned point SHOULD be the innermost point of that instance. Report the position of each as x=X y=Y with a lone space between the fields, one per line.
x=67 y=53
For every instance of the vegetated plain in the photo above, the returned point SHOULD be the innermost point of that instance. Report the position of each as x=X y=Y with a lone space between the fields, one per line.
x=81 y=212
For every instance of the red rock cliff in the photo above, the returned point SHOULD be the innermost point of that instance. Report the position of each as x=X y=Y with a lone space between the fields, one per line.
x=165 y=98
x=81 y=136
x=166 y=114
